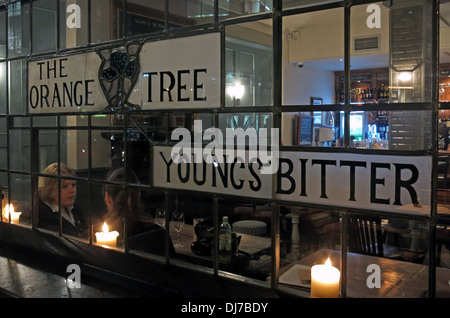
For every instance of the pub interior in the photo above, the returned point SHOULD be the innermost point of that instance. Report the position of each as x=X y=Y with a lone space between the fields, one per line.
x=355 y=90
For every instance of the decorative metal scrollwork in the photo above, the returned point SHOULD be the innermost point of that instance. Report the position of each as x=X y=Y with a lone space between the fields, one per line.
x=118 y=74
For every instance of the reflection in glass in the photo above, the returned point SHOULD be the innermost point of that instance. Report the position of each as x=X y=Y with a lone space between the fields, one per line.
x=104 y=21
x=44 y=19
x=17 y=82
x=18 y=28
x=2 y=34
x=235 y=8
x=249 y=65
x=185 y=13
x=3 y=76
x=20 y=149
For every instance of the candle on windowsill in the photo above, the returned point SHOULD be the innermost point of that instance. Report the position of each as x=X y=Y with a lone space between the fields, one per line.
x=107 y=238
x=9 y=210
x=325 y=280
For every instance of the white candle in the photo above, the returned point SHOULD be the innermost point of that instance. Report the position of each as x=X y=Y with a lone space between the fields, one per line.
x=325 y=280
x=107 y=238
x=9 y=210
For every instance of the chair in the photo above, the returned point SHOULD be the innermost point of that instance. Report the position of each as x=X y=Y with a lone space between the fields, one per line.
x=365 y=235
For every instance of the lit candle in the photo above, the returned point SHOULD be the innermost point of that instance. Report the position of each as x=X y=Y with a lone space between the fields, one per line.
x=9 y=209
x=325 y=280
x=107 y=238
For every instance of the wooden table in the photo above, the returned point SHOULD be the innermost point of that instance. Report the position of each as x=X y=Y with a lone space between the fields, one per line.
x=398 y=279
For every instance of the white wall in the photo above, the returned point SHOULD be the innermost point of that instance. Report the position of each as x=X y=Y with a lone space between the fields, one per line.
x=299 y=84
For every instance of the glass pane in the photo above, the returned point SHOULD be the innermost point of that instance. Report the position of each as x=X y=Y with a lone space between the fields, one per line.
x=75 y=217
x=3 y=32
x=391 y=39
x=190 y=12
x=44 y=19
x=444 y=57
x=313 y=57
x=73 y=23
x=397 y=248
x=18 y=29
x=316 y=129
x=20 y=198
x=48 y=147
x=74 y=149
x=235 y=8
x=289 y=4
x=3 y=100
x=17 y=87
x=370 y=44
x=308 y=236
x=394 y=130
x=250 y=239
x=20 y=149
x=3 y=144
x=105 y=22
x=144 y=17
x=442 y=260
x=249 y=65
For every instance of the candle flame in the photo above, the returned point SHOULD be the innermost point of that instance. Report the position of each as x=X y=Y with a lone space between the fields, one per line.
x=105 y=228
x=328 y=262
x=9 y=209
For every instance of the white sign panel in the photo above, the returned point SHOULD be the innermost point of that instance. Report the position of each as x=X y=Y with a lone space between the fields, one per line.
x=375 y=182
x=179 y=73
x=65 y=84
x=243 y=179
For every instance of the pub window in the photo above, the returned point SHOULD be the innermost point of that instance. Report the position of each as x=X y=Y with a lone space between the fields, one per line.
x=44 y=20
x=248 y=64
x=18 y=28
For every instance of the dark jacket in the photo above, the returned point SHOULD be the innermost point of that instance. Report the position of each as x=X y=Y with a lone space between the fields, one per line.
x=49 y=220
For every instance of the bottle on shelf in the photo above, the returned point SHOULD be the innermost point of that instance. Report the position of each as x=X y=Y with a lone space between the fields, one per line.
x=225 y=241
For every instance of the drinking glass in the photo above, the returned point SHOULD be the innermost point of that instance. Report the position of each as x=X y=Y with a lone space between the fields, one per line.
x=177 y=223
x=160 y=218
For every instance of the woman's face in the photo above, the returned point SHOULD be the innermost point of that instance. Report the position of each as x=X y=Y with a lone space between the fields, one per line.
x=68 y=192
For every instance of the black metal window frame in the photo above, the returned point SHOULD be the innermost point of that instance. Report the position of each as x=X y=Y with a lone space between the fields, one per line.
x=277 y=109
